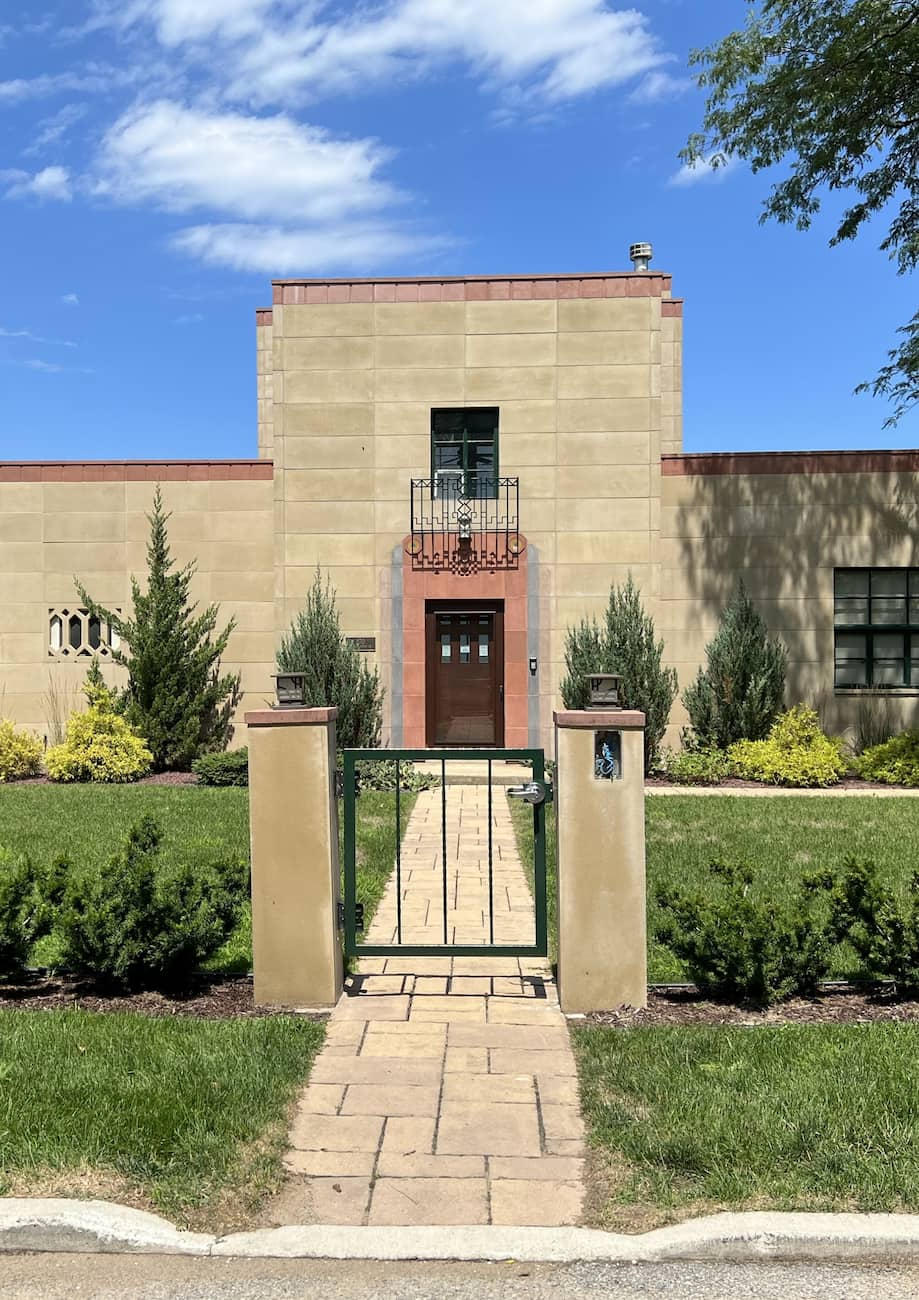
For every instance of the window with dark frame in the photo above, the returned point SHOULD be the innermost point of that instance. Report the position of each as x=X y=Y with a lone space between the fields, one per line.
x=876 y=628
x=464 y=450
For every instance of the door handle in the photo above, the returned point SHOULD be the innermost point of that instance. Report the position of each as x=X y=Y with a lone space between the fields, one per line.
x=501 y=691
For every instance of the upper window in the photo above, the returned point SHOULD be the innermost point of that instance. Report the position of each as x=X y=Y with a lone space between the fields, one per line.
x=74 y=633
x=464 y=450
x=876 y=617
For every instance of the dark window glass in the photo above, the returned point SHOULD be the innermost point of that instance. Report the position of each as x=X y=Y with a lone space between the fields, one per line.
x=464 y=450
x=876 y=615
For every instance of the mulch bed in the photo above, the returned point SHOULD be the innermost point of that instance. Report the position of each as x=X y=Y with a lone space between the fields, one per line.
x=846 y=1005
x=206 y=999
x=158 y=778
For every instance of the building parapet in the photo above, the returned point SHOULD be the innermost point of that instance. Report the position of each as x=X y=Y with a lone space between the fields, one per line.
x=122 y=471
x=718 y=463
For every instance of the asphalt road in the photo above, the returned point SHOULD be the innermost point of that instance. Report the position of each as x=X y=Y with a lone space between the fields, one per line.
x=153 y=1277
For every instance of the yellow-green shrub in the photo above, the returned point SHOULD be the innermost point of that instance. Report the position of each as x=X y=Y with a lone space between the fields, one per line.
x=20 y=752
x=895 y=762
x=99 y=746
x=796 y=752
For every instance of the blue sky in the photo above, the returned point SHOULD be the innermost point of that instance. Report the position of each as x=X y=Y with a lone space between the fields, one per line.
x=161 y=160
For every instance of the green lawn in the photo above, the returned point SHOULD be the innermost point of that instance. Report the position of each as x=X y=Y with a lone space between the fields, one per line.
x=88 y=822
x=188 y=1116
x=783 y=838
x=684 y=1121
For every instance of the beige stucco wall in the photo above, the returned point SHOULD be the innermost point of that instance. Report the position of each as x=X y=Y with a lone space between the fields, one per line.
x=51 y=531
x=784 y=534
x=580 y=386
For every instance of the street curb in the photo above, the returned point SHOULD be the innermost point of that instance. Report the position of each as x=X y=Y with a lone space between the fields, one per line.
x=47 y=1225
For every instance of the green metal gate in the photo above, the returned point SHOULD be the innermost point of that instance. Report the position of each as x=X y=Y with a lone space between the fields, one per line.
x=534 y=792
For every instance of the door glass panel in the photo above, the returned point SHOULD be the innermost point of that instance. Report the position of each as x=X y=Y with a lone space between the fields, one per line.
x=483 y=647
x=446 y=649
x=464 y=647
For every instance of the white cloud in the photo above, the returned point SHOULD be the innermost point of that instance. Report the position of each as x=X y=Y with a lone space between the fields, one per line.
x=704 y=169
x=50 y=367
x=277 y=52
x=70 y=300
x=49 y=183
x=250 y=167
x=51 y=130
x=272 y=249
x=659 y=85
x=35 y=338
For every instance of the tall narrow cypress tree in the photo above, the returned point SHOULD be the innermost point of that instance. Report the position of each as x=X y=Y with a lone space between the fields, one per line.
x=176 y=695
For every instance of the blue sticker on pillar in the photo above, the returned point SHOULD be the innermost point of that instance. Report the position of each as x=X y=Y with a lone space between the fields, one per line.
x=608 y=755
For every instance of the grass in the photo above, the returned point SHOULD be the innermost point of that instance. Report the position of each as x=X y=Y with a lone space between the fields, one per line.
x=187 y=1116
x=689 y=1120
x=782 y=838
x=199 y=823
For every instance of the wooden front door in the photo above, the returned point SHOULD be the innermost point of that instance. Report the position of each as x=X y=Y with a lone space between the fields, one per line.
x=465 y=676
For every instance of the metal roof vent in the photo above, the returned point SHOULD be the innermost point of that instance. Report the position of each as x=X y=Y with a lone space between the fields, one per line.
x=640 y=255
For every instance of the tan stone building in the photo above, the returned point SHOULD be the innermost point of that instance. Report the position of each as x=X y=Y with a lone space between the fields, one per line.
x=473 y=461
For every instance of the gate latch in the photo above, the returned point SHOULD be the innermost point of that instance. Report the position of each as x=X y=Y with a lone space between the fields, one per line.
x=358 y=915
x=533 y=792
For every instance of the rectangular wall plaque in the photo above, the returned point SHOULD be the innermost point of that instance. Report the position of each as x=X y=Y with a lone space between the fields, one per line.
x=366 y=644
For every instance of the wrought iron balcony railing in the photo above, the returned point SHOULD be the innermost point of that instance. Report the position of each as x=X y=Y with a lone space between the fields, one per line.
x=465 y=522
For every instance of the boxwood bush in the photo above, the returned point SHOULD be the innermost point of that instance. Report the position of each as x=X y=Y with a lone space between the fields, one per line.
x=698 y=766
x=895 y=762
x=230 y=768
x=796 y=752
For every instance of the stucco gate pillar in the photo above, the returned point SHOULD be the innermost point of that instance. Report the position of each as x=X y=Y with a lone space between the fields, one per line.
x=600 y=818
x=293 y=827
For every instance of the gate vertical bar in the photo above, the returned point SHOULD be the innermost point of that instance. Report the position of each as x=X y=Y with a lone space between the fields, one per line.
x=398 y=856
x=443 y=834
x=348 y=780
x=491 y=876
x=539 y=858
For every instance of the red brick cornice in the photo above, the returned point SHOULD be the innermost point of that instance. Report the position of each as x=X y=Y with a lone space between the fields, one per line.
x=474 y=288
x=715 y=463
x=124 y=471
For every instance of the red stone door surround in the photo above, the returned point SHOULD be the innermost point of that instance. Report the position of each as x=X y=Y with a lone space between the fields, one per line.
x=507 y=585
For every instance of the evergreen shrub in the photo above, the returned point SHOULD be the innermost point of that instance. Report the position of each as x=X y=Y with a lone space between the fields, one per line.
x=623 y=643
x=25 y=910
x=228 y=768
x=135 y=922
x=795 y=753
x=742 y=945
x=739 y=692
x=20 y=753
x=880 y=924
x=698 y=767
x=895 y=762
x=335 y=673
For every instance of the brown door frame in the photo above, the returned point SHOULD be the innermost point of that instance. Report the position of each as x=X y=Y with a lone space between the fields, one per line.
x=431 y=609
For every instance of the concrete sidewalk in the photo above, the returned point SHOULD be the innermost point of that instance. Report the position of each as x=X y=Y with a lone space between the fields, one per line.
x=446 y=1092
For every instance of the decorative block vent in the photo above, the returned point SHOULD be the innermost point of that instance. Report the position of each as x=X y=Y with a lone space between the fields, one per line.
x=75 y=633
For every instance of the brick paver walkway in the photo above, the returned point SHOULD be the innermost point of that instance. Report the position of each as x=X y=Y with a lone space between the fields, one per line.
x=446 y=1092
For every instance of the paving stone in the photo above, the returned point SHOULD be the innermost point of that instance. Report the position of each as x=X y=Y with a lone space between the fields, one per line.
x=339 y=1200
x=470 y=985
x=430 y=985
x=409 y=1136
x=466 y=1060
x=555 y=1091
x=519 y=1061
x=424 y=1166
x=424 y=1013
x=490 y=1130
x=321 y=1098
x=565 y=1146
x=445 y=1201
x=535 y=1204
x=365 y=1007
x=565 y=1169
x=489 y=1088
x=523 y=1037
x=397 y=1032
x=392 y=1099
x=560 y=1122
x=338 y=1164
x=336 y=1132
x=383 y=1070
x=522 y=1011
x=413 y=1046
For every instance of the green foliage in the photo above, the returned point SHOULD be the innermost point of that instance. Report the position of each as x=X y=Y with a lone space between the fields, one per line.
x=380 y=774
x=874 y=722
x=796 y=752
x=698 y=767
x=743 y=945
x=880 y=924
x=895 y=762
x=27 y=897
x=134 y=922
x=99 y=744
x=228 y=768
x=738 y=693
x=175 y=696
x=623 y=643
x=335 y=674
x=827 y=89
x=20 y=753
